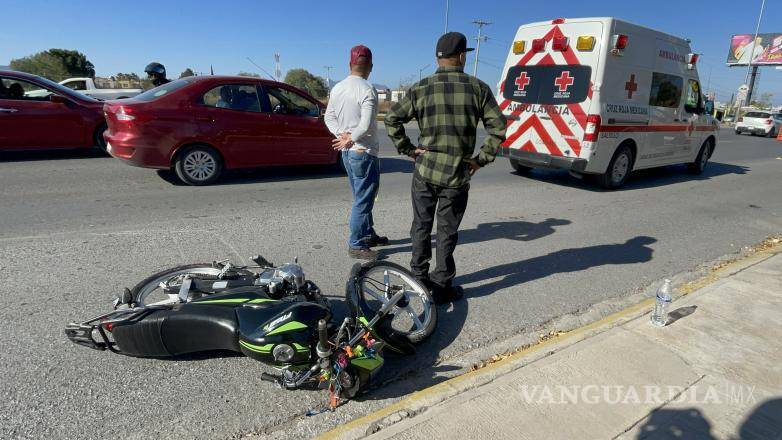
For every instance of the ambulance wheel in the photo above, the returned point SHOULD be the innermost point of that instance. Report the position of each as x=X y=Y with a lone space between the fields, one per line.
x=618 y=169
x=519 y=168
x=701 y=159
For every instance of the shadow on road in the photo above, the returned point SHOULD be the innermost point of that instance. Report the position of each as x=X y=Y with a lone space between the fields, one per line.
x=765 y=421
x=634 y=250
x=291 y=173
x=54 y=154
x=649 y=178
x=510 y=230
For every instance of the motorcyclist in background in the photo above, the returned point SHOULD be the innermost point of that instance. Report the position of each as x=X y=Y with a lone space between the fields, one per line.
x=157 y=73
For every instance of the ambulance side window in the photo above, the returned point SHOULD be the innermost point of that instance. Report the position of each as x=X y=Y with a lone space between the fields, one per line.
x=666 y=90
x=692 y=102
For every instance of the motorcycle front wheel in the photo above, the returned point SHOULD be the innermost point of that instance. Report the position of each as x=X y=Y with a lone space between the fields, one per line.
x=414 y=317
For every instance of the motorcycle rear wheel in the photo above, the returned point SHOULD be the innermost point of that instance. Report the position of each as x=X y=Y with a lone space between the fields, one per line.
x=414 y=321
x=149 y=292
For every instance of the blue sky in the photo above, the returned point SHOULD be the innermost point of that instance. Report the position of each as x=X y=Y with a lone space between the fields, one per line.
x=125 y=36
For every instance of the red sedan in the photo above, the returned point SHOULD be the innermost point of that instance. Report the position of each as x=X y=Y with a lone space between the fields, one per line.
x=36 y=113
x=200 y=126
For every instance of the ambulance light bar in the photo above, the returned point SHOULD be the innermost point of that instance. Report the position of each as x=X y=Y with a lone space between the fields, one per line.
x=558 y=21
x=585 y=42
x=518 y=47
x=618 y=43
x=559 y=44
x=538 y=45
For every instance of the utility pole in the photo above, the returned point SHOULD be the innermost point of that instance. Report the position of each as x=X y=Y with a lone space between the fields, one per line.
x=421 y=70
x=277 y=71
x=328 y=78
x=446 y=15
x=481 y=24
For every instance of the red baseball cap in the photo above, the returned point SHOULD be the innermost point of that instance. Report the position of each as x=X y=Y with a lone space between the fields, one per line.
x=360 y=51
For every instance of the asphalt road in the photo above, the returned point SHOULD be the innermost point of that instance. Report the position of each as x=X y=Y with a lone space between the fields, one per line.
x=76 y=228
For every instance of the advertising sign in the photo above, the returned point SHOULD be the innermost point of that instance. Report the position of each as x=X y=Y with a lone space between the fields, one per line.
x=767 y=49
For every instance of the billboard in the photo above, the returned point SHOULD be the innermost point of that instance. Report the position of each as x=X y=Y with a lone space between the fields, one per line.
x=767 y=50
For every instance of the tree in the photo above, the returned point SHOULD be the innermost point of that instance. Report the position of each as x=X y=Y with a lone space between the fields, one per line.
x=186 y=73
x=55 y=64
x=128 y=77
x=764 y=101
x=314 y=85
x=250 y=74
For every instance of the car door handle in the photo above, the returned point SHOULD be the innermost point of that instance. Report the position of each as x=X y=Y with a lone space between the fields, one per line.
x=8 y=110
x=204 y=119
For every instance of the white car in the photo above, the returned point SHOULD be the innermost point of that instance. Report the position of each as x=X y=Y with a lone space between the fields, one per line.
x=88 y=87
x=759 y=122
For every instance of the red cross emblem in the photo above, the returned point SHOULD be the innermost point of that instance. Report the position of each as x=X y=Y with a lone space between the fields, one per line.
x=564 y=81
x=631 y=86
x=522 y=81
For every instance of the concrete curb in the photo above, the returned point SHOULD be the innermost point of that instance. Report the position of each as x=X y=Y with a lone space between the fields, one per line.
x=421 y=400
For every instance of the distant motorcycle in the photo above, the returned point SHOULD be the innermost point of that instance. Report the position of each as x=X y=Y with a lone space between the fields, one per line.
x=273 y=315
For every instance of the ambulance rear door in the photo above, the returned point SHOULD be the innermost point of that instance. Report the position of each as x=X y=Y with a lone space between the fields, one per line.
x=547 y=86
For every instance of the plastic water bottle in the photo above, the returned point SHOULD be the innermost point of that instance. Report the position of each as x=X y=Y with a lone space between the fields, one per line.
x=660 y=312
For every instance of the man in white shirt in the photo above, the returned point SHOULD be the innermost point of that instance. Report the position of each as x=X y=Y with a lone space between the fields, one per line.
x=351 y=118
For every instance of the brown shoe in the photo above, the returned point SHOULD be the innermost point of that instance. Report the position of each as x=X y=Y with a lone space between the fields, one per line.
x=362 y=254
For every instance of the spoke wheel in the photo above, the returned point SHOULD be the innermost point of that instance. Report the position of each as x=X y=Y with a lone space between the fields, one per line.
x=414 y=316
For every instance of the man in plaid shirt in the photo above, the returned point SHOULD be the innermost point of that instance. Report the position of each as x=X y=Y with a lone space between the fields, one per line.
x=448 y=106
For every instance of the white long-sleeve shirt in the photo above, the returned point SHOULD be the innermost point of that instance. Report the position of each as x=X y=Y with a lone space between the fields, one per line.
x=352 y=108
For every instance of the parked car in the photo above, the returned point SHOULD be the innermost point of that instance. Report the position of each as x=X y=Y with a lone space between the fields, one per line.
x=88 y=87
x=36 y=113
x=200 y=126
x=759 y=122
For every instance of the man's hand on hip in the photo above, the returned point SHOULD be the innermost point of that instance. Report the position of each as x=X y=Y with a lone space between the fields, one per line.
x=342 y=142
x=474 y=166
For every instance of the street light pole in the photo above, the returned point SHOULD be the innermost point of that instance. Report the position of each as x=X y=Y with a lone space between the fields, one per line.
x=752 y=71
x=446 y=15
x=480 y=24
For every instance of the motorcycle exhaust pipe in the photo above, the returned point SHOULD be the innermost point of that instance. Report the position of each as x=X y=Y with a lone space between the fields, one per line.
x=323 y=348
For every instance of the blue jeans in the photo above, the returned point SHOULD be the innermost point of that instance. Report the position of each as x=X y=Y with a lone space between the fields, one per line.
x=363 y=171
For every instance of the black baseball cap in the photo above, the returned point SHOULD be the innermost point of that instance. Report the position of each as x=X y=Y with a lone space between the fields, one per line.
x=452 y=43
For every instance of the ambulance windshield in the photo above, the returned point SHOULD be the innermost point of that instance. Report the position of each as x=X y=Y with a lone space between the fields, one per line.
x=547 y=84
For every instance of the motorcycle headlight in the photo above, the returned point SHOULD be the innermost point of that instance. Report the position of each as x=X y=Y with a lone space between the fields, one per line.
x=283 y=353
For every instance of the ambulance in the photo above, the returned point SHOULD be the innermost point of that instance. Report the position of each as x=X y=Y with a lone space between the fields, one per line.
x=605 y=97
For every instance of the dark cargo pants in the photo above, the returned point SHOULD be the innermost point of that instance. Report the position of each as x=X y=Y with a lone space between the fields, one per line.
x=449 y=205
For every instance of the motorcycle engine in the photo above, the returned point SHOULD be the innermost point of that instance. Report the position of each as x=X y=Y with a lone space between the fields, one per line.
x=287 y=279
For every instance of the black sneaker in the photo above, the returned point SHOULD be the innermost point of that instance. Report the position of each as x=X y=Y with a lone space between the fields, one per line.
x=445 y=295
x=377 y=241
x=362 y=254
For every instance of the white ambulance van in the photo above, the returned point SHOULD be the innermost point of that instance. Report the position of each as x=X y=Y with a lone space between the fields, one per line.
x=603 y=96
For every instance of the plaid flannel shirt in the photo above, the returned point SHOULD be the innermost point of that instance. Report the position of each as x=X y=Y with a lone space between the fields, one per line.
x=448 y=106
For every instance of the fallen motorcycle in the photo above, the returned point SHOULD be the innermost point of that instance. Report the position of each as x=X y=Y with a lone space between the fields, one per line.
x=273 y=315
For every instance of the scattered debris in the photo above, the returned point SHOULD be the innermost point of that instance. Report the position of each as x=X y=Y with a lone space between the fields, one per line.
x=508 y=353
